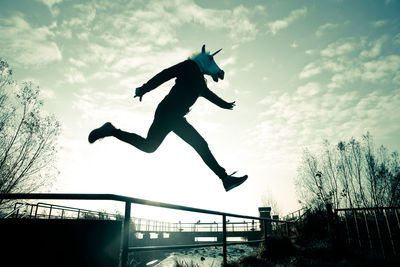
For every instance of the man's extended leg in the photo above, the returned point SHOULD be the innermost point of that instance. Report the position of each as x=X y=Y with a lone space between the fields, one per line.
x=189 y=134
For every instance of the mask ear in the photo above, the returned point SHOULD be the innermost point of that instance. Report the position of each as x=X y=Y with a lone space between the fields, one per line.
x=203 y=48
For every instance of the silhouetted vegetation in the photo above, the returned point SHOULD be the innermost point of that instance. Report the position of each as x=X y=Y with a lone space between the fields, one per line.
x=27 y=136
x=311 y=246
x=350 y=174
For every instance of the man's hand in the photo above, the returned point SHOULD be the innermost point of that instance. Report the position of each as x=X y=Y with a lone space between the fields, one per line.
x=139 y=93
x=230 y=105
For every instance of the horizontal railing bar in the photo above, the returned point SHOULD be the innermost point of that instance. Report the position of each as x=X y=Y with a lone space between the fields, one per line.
x=16 y=209
x=47 y=205
x=374 y=208
x=70 y=196
x=151 y=248
x=65 y=208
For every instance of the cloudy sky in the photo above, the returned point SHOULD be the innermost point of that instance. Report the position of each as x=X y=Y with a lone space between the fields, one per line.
x=299 y=71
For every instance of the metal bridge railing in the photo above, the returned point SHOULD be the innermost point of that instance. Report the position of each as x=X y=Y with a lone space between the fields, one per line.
x=147 y=225
x=374 y=229
x=296 y=215
x=51 y=211
x=127 y=219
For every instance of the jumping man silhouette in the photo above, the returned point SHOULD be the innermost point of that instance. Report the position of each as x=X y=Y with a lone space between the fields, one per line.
x=170 y=113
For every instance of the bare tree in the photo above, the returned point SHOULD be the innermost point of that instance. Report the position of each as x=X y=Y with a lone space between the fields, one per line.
x=27 y=136
x=350 y=174
x=268 y=201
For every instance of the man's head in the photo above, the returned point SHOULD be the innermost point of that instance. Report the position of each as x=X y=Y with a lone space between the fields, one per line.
x=207 y=65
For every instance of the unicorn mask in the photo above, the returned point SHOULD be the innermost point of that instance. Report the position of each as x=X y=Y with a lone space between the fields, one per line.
x=207 y=65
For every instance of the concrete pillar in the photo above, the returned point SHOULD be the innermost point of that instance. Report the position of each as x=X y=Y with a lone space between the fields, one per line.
x=265 y=212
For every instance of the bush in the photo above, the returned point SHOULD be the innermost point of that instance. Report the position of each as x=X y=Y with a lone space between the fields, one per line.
x=314 y=226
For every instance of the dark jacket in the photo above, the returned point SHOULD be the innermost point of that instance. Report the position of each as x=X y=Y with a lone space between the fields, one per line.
x=189 y=85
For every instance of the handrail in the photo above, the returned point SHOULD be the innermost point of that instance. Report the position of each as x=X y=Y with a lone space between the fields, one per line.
x=71 y=209
x=301 y=216
x=129 y=201
x=14 y=210
x=73 y=196
x=368 y=208
x=286 y=217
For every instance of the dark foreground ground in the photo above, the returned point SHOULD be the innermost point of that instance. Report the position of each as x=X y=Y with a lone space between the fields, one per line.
x=283 y=252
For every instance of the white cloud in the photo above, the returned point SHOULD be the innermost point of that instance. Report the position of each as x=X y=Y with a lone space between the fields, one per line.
x=157 y=22
x=47 y=94
x=376 y=47
x=340 y=62
x=321 y=29
x=396 y=39
x=310 y=52
x=74 y=76
x=51 y=4
x=77 y=62
x=228 y=61
x=25 y=44
x=383 y=68
x=296 y=120
x=309 y=70
x=379 y=23
x=247 y=67
x=281 y=24
x=310 y=89
x=338 y=48
x=138 y=36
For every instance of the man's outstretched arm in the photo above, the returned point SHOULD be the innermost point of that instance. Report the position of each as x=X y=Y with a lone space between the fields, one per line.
x=159 y=79
x=213 y=98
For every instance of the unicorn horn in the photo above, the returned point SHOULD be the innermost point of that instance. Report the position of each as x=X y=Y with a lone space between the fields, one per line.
x=216 y=52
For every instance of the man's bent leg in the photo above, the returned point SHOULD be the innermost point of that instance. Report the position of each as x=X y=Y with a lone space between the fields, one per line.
x=189 y=134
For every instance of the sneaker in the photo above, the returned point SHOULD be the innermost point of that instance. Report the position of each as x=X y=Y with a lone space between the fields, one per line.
x=101 y=132
x=231 y=181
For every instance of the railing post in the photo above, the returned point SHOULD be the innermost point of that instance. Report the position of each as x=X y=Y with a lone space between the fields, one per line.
x=36 y=210
x=287 y=230
x=224 y=251
x=51 y=207
x=125 y=235
x=379 y=234
x=390 y=232
x=30 y=214
x=265 y=232
x=17 y=210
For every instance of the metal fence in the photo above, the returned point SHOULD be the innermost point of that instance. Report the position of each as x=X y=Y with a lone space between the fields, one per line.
x=51 y=211
x=376 y=230
x=296 y=215
x=141 y=225
x=125 y=249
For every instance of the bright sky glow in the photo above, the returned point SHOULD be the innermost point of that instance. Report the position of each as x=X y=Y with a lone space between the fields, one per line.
x=299 y=71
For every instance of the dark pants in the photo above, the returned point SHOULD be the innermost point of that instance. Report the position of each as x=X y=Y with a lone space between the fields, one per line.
x=161 y=127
